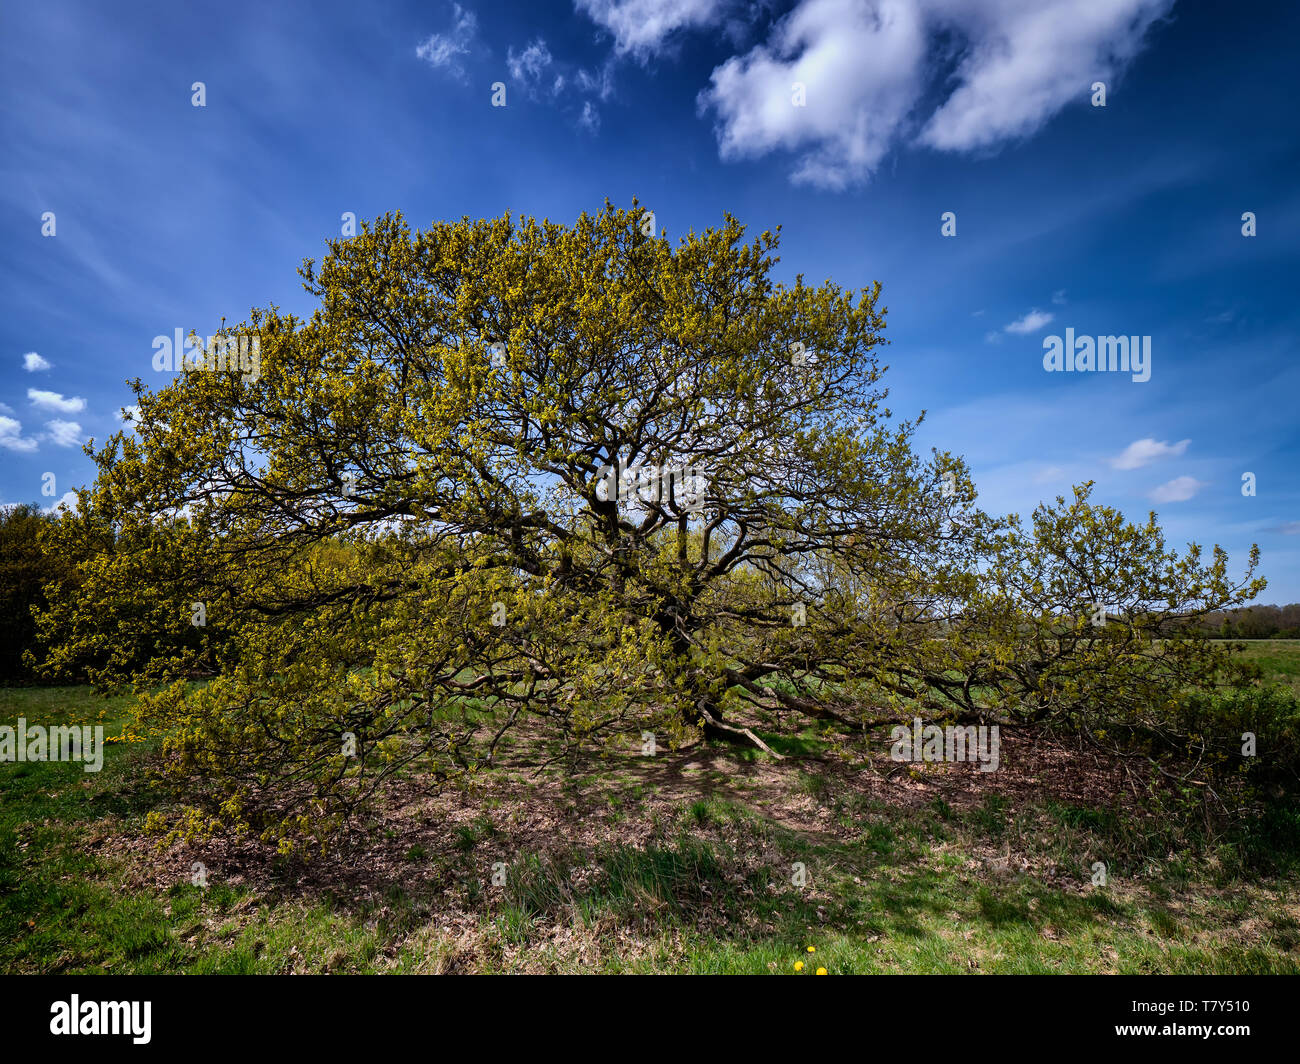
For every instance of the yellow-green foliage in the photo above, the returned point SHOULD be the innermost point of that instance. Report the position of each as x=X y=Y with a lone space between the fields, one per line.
x=399 y=534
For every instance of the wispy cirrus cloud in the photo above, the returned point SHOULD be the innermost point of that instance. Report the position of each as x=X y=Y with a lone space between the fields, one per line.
x=444 y=51
x=540 y=74
x=600 y=83
x=528 y=66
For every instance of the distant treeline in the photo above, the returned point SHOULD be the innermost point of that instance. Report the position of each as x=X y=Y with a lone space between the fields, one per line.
x=30 y=564
x=25 y=568
x=1254 y=622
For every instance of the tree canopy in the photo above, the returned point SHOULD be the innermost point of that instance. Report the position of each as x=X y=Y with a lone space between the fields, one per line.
x=577 y=476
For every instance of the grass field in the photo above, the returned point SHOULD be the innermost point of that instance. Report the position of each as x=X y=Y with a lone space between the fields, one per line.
x=1279 y=658
x=690 y=863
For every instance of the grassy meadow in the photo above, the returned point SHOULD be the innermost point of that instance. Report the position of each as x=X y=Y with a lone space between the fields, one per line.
x=704 y=859
x=1279 y=658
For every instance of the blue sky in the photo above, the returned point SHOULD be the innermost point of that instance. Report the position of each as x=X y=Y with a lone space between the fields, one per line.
x=1117 y=220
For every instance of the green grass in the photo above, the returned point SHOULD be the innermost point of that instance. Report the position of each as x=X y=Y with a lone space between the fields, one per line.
x=913 y=905
x=59 y=906
x=918 y=891
x=1279 y=659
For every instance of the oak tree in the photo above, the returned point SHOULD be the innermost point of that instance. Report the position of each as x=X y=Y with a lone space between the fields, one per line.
x=576 y=482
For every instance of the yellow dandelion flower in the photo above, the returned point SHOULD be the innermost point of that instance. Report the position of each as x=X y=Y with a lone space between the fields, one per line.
x=821 y=971
x=798 y=966
x=812 y=949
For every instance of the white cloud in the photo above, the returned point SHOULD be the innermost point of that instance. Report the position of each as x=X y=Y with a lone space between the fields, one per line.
x=590 y=117
x=33 y=363
x=861 y=74
x=12 y=439
x=528 y=65
x=642 y=26
x=1027 y=59
x=130 y=415
x=867 y=65
x=1031 y=322
x=64 y=433
x=55 y=401
x=443 y=50
x=1143 y=452
x=1180 y=489
x=67 y=502
x=1058 y=297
